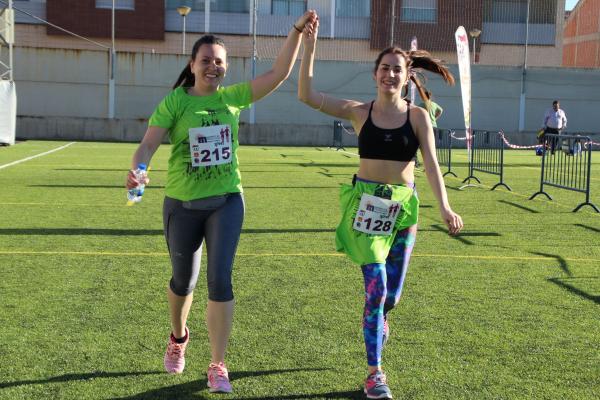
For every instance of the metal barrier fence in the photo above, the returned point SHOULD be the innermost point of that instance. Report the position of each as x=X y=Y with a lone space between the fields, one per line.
x=487 y=155
x=568 y=166
x=443 y=148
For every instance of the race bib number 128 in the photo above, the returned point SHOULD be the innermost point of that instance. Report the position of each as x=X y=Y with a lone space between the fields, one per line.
x=376 y=216
x=210 y=145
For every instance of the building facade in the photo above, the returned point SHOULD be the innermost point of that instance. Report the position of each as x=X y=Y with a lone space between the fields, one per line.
x=355 y=29
x=581 y=47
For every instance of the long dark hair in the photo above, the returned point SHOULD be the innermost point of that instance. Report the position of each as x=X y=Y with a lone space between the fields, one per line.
x=417 y=60
x=186 y=78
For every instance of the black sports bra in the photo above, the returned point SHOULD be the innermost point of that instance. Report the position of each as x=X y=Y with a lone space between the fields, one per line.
x=397 y=144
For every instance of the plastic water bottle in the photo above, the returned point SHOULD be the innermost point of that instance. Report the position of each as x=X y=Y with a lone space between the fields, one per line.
x=134 y=195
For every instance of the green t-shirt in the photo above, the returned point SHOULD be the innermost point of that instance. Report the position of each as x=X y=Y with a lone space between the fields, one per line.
x=432 y=110
x=179 y=112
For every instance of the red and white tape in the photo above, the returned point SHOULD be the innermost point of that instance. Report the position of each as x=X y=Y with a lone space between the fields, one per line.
x=456 y=137
x=514 y=146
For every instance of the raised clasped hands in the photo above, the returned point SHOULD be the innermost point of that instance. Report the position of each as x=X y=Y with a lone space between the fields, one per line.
x=309 y=17
x=309 y=23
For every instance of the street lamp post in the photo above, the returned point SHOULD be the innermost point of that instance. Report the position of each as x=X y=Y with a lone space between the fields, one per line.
x=524 y=74
x=112 y=62
x=474 y=33
x=183 y=11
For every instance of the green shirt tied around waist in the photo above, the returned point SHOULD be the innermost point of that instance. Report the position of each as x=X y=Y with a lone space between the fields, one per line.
x=363 y=248
x=179 y=112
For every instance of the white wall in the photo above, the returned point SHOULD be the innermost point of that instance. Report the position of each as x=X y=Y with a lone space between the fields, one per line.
x=74 y=83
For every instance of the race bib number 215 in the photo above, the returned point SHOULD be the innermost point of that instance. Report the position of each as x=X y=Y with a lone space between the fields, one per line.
x=210 y=145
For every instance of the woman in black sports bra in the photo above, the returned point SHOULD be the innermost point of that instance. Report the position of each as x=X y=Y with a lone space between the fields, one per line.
x=378 y=227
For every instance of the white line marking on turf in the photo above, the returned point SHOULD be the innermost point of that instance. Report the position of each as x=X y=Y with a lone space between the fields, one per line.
x=36 y=156
x=165 y=254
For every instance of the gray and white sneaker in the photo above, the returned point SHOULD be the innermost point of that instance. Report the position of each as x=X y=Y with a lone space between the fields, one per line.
x=376 y=386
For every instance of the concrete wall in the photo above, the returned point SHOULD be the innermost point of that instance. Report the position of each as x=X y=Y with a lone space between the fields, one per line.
x=63 y=94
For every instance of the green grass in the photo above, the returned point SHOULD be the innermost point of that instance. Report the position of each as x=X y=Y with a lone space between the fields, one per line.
x=507 y=310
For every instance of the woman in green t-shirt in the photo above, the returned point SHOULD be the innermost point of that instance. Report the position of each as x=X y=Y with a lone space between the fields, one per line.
x=203 y=194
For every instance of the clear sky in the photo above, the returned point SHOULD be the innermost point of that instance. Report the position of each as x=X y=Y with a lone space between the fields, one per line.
x=570 y=4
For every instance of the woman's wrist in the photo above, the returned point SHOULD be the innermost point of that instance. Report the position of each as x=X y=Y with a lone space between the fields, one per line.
x=296 y=28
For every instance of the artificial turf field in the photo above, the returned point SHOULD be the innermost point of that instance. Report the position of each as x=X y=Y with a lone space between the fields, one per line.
x=510 y=309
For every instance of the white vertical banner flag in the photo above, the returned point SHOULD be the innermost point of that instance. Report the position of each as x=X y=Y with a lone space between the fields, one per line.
x=464 y=67
x=8 y=112
x=413 y=87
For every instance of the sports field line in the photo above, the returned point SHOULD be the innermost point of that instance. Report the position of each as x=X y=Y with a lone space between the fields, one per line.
x=242 y=254
x=36 y=156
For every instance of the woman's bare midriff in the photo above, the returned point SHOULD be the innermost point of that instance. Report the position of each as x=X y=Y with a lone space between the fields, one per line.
x=386 y=171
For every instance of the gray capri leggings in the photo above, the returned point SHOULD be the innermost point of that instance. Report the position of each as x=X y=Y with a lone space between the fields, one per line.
x=218 y=220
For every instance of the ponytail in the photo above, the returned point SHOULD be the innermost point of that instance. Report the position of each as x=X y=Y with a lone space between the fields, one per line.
x=186 y=78
x=423 y=60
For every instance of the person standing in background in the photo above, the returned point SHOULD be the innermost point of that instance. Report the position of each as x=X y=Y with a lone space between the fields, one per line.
x=434 y=109
x=555 y=121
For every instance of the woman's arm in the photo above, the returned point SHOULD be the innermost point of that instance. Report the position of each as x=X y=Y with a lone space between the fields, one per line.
x=420 y=120
x=150 y=143
x=269 y=81
x=340 y=108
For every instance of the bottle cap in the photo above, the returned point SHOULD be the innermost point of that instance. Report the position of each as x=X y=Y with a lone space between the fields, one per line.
x=142 y=167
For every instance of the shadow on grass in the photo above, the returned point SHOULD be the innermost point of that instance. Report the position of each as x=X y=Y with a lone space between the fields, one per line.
x=91 y=186
x=162 y=187
x=135 y=232
x=190 y=390
x=291 y=187
x=574 y=290
x=356 y=394
x=331 y=175
x=328 y=165
x=562 y=263
x=591 y=228
x=461 y=236
x=291 y=155
x=81 y=231
x=123 y=170
x=299 y=230
x=77 y=377
x=510 y=203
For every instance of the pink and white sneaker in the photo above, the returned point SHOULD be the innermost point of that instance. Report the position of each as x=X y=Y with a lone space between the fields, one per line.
x=175 y=355
x=218 y=378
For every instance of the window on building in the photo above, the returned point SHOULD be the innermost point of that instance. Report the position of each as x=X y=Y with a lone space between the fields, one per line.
x=288 y=7
x=505 y=11
x=230 y=6
x=515 y=11
x=352 y=8
x=195 y=5
x=226 y=6
x=119 y=4
x=418 y=11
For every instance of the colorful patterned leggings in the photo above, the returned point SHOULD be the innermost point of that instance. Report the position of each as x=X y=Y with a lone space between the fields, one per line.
x=383 y=286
